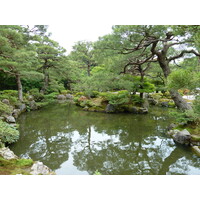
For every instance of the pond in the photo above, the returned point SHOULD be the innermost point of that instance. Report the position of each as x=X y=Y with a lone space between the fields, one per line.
x=72 y=141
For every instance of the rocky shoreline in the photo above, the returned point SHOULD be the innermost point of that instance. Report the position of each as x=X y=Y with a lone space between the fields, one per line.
x=96 y=104
x=184 y=137
x=10 y=164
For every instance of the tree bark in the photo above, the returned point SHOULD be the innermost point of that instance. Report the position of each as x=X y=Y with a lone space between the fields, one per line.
x=46 y=80
x=177 y=98
x=19 y=86
x=179 y=101
x=88 y=70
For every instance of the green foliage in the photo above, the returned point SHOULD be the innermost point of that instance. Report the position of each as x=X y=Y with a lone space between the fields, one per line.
x=36 y=94
x=65 y=92
x=136 y=99
x=181 y=117
x=97 y=173
x=196 y=105
x=32 y=80
x=11 y=95
x=50 y=97
x=55 y=86
x=24 y=162
x=116 y=98
x=189 y=115
x=182 y=78
x=4 y=109
x=8 y=133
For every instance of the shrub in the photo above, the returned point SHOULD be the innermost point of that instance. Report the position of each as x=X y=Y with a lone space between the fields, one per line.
x=4 y=109
x=50 y=97
x=196 y=105
x=137 y=100
x=65 y=92
x=78 y=94
x=11 y=95
x=116 y=98
x=36 y=94
x=54 y=86
x=8 y=133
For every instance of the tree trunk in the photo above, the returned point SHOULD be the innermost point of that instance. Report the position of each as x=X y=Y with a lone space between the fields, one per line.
x=177 y=98
x=179 y=101
x=88 y=70
x=46 y=80
x=19 y=86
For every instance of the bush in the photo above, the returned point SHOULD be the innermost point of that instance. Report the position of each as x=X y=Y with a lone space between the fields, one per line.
x=11 y=95
x=137 y=100
x=116 y=98
x=36 y=94
x=8 y=133
x=196 y=105
x=64 y=92
x=54 y=86
x=4 y=109
x=50 y=97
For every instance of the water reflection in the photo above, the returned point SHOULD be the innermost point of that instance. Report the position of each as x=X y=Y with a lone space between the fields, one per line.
x=71 y=141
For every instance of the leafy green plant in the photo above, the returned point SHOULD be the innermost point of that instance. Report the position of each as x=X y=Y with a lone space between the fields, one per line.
x=4 y=109
x=50 y=97
x=8 y=133
x=36 y=94
x=11 y=95
x=116 y=98
x=97 y=173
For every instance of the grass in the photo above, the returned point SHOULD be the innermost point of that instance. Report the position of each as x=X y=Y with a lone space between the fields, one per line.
x=15 y=166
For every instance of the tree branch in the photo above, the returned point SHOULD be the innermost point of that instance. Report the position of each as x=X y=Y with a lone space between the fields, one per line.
x=182 y=54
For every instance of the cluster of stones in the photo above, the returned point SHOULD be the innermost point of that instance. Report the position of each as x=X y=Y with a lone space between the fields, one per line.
x=17 y=110
x=184 y=137
x=100 y=105
x=38 y=168
x=62 y=97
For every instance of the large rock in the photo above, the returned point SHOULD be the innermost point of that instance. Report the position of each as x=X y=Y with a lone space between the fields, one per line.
x=39 y=168
x=16 y=113
x=143 y=110
x=110 y=108
x=164 y=104
x=134 y=110
x=22 y=107
x=196 y=149
x=7 y=154
x=33 y=105
x=61 y=97
x=152 y=101
x=171 y=126
x=10 y=119
x=69 y=96
x=30 y=98
x=6 y=101
x=182 y=137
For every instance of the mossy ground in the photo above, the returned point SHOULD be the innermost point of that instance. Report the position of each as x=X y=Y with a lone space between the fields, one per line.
x=15 y=166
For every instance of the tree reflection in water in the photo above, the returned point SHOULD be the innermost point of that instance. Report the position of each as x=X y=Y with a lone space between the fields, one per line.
x=109 y=143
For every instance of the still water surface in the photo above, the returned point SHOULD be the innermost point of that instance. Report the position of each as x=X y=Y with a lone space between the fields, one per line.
x=72 y=141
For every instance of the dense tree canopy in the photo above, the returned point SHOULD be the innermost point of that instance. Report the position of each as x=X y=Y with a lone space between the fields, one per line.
x=137 y=58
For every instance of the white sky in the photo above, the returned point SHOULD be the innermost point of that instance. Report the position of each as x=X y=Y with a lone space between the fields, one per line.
x=69 y=34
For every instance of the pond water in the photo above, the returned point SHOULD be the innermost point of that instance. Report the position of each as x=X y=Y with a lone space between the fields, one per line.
x=72 y=141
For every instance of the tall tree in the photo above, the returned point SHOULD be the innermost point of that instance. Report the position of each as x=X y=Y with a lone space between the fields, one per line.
x=50 y=55
x=83 y=52
x=159 y=44
x=16 y=55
